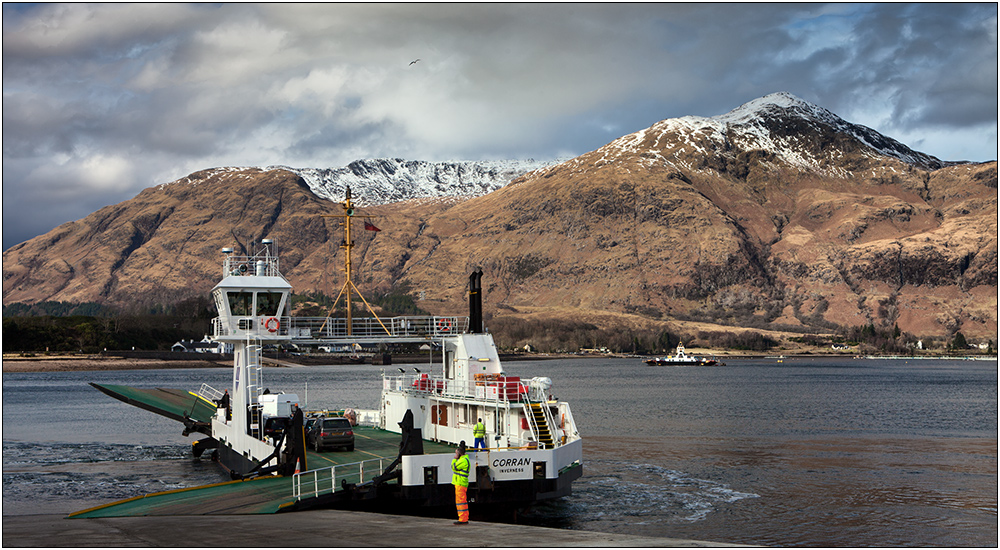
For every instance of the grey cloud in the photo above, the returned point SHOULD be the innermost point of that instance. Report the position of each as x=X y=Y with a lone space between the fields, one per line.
x=165 y=89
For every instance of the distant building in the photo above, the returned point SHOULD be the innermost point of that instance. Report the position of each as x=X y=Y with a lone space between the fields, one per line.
x=339 y=348
x=206 y=345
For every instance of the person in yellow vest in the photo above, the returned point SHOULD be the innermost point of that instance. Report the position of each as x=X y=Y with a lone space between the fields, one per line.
x=479 y=431
x=460 y=479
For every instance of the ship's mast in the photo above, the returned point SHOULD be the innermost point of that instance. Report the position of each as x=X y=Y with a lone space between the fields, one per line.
x=347 y=244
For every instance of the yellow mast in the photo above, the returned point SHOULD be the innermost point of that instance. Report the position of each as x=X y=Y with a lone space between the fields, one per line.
x=347 y=244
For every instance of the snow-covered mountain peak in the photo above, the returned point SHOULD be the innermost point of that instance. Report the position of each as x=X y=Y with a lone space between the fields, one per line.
x=779 y=103
x=793 y=130
x=382 y=181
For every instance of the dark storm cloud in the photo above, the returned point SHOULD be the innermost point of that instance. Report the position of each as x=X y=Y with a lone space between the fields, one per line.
x=103 y=100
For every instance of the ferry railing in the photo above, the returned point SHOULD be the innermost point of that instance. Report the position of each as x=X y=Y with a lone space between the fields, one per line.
x=532 y=425
x=499 y=391
x=569 y=423
x=367 y=417
x=209 y=393
x=327 y=480
x=262 y=265
x=331 y=328
x=551 y=422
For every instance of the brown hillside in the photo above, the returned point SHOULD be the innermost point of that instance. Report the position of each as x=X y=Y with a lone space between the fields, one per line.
x=810 y=251
x=781 y=218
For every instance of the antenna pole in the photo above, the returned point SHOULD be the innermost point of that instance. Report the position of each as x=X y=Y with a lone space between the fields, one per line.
x=347 y=245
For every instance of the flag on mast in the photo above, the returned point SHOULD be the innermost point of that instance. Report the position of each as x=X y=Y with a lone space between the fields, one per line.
x=369 y=226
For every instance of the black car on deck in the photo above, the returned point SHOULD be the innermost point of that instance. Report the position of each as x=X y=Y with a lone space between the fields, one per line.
x=331 y=431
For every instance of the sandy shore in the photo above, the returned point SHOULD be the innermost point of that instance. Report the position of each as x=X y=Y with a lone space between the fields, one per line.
x=46 y=364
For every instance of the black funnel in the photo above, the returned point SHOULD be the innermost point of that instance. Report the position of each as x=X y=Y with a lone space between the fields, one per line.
x=476 y=302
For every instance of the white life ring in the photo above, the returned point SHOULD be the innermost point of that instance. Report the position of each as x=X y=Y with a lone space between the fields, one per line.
x=272 y=324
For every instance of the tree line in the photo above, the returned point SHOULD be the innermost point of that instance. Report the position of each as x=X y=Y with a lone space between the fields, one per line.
x=91 y=328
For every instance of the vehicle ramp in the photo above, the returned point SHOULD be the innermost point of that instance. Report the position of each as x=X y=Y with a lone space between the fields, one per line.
x=171 y=403
x=269 y=494
x=264 y=495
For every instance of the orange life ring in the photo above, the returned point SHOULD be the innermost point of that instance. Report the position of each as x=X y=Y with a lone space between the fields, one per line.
x=268 y=324
x=444 y=325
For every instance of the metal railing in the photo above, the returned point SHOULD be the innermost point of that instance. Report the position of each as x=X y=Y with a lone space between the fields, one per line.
x=331 y=328
x=261 y=265
x=533 y=426
x=209 y=393
x=328 y=480
x=490 y=390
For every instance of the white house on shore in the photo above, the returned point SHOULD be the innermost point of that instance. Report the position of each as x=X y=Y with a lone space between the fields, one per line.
x=206 y=345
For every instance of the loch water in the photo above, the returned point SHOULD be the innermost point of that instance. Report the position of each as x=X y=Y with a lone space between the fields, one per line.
x=802 y=452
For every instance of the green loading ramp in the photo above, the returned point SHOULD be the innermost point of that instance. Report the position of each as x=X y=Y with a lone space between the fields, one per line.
x=171 y=403
x=266 y=495
x=255 y=496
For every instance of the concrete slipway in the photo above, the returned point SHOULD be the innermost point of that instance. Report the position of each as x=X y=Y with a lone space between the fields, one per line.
x=312 y=528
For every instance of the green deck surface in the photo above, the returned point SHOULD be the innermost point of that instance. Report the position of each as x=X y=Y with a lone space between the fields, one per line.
x=368 y=443
x=264 y=495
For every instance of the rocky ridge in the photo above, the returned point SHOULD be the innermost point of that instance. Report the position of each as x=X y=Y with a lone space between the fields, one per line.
x=382 y=181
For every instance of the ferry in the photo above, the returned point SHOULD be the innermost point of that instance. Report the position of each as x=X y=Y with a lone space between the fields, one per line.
x=533 y=447
x=680 y=358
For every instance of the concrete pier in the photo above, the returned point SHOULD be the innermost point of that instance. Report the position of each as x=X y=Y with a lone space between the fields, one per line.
x=329 y=528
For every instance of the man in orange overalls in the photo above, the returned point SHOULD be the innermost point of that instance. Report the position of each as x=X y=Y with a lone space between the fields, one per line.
x=460 y=479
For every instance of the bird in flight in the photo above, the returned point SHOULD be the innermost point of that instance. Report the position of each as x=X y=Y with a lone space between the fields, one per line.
x=414 y=61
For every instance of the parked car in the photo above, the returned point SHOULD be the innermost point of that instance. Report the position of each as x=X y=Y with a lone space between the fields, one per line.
x=275 y=426
x=330 y=432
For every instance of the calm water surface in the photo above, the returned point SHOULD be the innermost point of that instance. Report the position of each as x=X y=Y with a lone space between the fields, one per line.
x=823 y=452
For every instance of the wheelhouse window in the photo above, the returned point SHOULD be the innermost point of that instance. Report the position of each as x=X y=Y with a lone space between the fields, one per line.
x=241 y=303
x=268 y=303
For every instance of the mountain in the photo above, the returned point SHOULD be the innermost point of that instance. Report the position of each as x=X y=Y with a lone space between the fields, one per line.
x=776 y=215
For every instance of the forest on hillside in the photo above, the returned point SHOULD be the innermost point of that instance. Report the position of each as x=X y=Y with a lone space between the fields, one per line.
x=64 y=327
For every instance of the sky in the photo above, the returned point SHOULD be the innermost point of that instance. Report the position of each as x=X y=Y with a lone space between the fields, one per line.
x=101 y=101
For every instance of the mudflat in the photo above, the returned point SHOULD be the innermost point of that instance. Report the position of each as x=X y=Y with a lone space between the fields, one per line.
x=53 y=364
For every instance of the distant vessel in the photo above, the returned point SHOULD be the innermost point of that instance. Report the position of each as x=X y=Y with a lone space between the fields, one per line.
x=680 y=358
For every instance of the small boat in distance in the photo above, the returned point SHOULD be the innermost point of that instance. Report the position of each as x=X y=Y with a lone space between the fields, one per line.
x=681 y=358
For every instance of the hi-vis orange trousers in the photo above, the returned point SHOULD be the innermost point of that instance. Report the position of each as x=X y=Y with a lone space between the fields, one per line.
x=462 y=503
